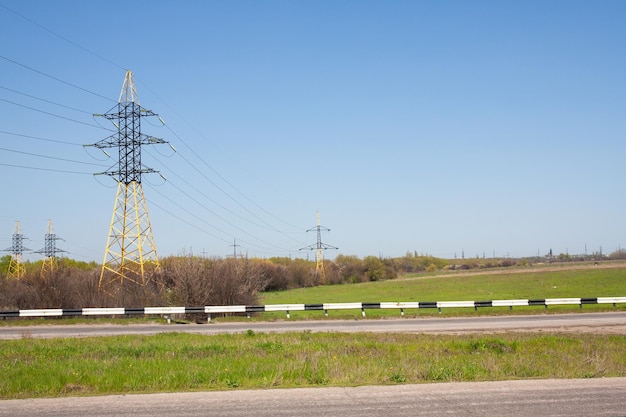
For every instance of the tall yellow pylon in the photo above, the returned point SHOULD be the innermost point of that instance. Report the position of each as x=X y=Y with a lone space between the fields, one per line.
x=16 y=267
x=130 y=249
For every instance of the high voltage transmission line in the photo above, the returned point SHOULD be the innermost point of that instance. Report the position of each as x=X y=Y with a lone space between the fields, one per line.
x=202 y=172
x=130 y=247
x=262 y=223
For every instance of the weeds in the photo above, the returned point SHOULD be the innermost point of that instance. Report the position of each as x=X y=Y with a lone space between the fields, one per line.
x=187 y=362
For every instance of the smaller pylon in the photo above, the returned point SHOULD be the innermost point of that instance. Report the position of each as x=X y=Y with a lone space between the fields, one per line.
x=319 y=247
x=50 y=251
x=235 y=246
x=16 y=268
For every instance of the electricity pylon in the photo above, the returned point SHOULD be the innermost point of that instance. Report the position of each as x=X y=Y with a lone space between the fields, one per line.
x=49 y=251
x=235 y=246
x=319 y=247
x=16 y=268
x=130 y=246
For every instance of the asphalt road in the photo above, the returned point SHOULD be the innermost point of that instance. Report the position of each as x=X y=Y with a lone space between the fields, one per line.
x=588 y=397
x=614 y=322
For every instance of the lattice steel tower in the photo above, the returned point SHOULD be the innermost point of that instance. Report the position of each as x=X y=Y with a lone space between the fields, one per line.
x=49 y=251
x=16 y=268
x=130 y=246
x=319 y=247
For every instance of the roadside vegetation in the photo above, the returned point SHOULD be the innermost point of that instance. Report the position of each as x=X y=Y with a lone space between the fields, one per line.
x=186 y=362
x=197 y=281
x=181 y=281
x=194 y=281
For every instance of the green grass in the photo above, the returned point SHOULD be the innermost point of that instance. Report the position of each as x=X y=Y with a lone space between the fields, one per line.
x=186 y=362
x=503 y=285
x=43 y=321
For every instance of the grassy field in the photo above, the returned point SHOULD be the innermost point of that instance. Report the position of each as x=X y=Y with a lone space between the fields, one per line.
x=476 y=286
x=186 y=362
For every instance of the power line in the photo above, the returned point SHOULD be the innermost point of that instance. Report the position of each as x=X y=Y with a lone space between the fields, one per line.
x=195 y=226
x=214 y=183
x=49 y=157
x=264 y=224
x=45 y=169
x=203 y=194
x=226 y=181
x=186 y=160
x=203 y=174
x=54 y=115
x=44 y=100
x=40 y=138
x=111 y=62
x=220 y=217
x=55 y=78
x=219 y=175
x=227 y=194
x=221 y=189
x=62 y=37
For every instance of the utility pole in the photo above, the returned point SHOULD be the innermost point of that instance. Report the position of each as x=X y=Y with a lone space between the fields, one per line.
x=235 y=246
x=16 y=268
x=130 y=245
x=319 y=247
x=50 y=251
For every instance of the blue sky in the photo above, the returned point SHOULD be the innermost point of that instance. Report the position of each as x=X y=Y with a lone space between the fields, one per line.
x=444 y=127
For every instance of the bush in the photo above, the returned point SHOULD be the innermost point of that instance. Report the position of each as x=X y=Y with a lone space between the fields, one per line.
x=65 y=287
x=192 y=281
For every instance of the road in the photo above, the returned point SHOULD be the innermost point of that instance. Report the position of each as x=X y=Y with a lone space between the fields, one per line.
x=613 y=323
x=578 y=397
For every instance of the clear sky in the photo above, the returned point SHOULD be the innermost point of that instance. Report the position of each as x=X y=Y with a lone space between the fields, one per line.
x=448 y=128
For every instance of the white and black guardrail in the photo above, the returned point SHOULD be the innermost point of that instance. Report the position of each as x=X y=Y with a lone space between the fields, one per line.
x=287 y=308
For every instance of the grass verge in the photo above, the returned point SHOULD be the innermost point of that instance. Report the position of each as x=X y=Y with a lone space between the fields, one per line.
x=186 y=362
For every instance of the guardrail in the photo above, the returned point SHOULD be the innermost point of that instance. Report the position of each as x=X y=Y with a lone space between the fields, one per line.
x=288 y=308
